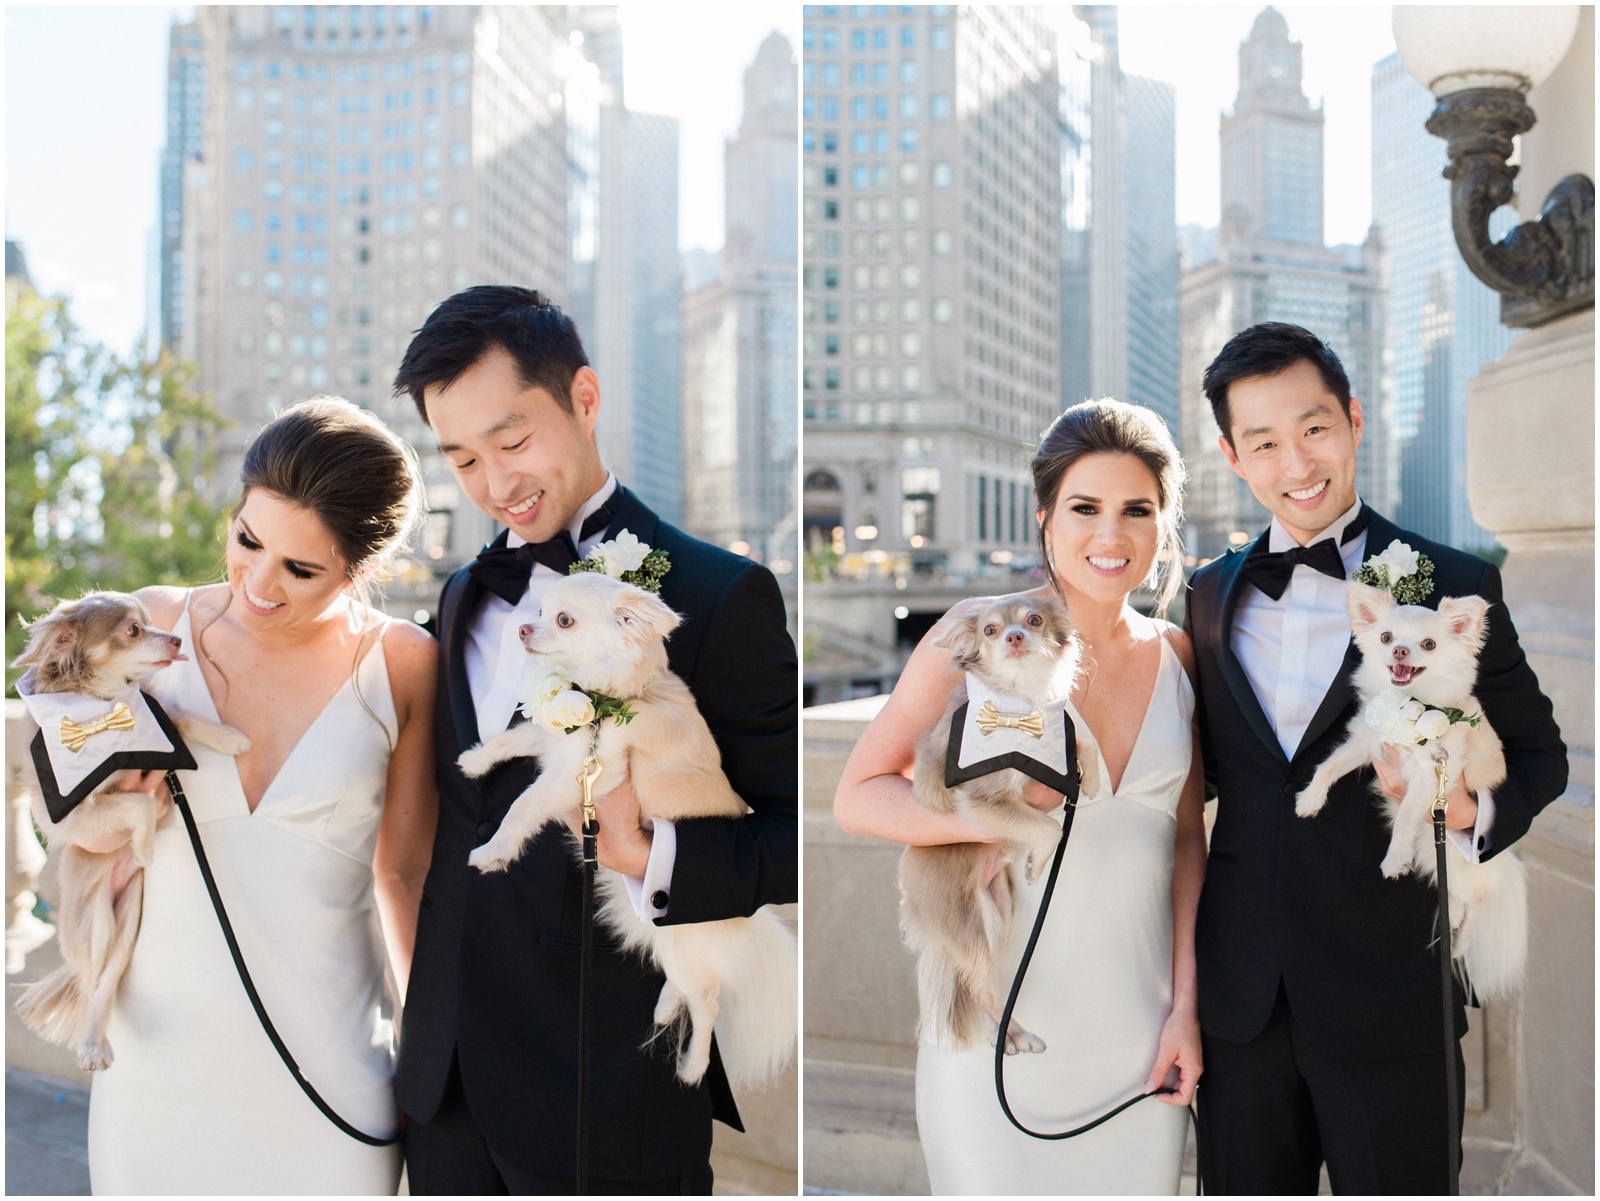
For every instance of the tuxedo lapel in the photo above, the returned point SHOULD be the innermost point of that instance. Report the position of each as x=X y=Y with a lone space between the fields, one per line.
x=632 y=516
x=1231 y=587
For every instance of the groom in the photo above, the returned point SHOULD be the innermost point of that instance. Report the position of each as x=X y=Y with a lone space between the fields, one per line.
x=1320 y=1003
x=488 y=1061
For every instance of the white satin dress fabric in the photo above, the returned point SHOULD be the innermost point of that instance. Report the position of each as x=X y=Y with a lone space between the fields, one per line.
x=1099 y=989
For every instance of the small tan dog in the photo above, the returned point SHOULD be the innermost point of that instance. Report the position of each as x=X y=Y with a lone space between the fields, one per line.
x=957 y=900
x=102 y=646
x=739 y=975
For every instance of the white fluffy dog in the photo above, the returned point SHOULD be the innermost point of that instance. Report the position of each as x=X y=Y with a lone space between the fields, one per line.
x=1415 y=664
x=604 y=636
x=101 y=645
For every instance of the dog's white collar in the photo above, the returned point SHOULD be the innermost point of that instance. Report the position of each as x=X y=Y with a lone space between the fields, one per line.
x=1049 y=748
x=73 y=767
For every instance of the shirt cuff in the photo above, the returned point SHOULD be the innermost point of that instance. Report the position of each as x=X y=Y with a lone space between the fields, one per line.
x=650 y=892
x=1473 y=845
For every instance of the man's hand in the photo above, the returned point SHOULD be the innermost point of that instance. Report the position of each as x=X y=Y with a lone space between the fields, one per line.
x=1461 y=811
x=623 y=844
x=1041 y=796
x=152 y=782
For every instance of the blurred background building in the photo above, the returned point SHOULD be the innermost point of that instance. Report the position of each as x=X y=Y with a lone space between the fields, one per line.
x=741 y=361
x=1267 y=262
x=1444 y=323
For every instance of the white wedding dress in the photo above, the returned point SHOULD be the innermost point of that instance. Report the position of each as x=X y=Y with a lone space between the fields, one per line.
x=197 y=1101
x=1098 y=991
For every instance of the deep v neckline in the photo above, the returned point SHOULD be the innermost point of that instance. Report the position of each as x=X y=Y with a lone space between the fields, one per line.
x=216 y=713
x=1144 y=721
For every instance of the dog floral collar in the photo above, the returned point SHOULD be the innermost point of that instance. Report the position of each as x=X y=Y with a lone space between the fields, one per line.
x=627 y=559
x=560 y=705
x=1405 y=574
x=1405 y=720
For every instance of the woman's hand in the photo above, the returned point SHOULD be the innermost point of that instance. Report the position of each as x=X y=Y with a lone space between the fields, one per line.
x=1178 y=1052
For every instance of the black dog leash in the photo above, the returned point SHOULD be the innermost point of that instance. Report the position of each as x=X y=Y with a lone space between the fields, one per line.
x=591 y=831
x=1016 y=990
x=1446 y=991
x=182 y=802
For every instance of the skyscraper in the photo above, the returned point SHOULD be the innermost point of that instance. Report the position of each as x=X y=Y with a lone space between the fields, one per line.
x=1444 y=323
x=185 y=143
x=1271 y=265
x=930 y=288
x=359 y=165
x=740 y=358
x=1119 y=247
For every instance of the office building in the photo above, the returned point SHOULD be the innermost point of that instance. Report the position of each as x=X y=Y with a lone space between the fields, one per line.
x=1271 y=264
x=1444 y=323
x=741 y=361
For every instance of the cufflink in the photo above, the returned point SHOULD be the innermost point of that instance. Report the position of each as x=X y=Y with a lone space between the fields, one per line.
x=658 y=899
x=1482 y=841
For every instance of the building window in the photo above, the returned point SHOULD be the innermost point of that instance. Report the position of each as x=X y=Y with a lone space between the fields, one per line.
x=908 y=139
x=908 y=70
x=244 y=221
x=830 y=141
x=939 y=37
x=908 y=106
x=939 y=106
x=940 y=175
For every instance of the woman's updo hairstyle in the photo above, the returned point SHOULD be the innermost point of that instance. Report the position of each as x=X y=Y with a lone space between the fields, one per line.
x=340 y=462
x=1111 y=427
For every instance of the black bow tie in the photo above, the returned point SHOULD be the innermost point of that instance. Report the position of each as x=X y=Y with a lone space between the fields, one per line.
x=1270 y=571
x=504 y=570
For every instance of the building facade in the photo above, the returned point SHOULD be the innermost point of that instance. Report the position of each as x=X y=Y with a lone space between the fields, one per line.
x=185 y=145
x=1270 y=264
x=1444 y=323
x=931 y=285
x=741 y=357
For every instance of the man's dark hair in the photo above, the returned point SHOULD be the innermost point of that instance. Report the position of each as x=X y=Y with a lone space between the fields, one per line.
x=1270 y=348
x=541 y=339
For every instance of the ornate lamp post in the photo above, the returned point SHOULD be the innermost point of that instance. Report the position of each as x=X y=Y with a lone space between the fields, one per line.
x=1480 y=61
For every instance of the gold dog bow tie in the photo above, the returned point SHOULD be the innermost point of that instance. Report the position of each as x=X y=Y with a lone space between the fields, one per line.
x=990 y=719
x=73 y=735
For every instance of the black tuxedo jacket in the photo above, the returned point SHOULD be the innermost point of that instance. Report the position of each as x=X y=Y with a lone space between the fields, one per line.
x=1302 y=899
x=495 y=976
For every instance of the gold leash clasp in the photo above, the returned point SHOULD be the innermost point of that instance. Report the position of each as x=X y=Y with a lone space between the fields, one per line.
x=1441 y=760
x=592 y=767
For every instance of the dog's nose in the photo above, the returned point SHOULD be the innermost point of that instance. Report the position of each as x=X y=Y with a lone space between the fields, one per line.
x=177 y=643
x=1402 y=653
x=1015 y=637
x=524 y=631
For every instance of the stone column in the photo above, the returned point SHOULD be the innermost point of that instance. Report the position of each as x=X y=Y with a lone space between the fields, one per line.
x=24 y=856
x=1530 y=473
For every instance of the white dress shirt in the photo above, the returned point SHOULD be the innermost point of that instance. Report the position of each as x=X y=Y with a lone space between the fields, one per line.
x=1291 y=649
x=495 y=659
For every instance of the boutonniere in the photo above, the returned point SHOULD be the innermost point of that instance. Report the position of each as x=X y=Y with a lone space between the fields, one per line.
x=627 y=559
x=1404 y=573
x=1404 y=719
x=558 y=704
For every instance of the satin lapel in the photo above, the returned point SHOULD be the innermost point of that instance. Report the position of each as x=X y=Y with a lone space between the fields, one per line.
x=634 y=517
x=1380 y=532
x=454 y=617
x=1231 y=586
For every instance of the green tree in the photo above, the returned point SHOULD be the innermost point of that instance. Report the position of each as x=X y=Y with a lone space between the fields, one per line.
x=107 y=461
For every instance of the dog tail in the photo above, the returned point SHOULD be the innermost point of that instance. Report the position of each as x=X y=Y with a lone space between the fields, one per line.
x=757 y=1014
x=54 y=1007
x=952 y=923
x=1494 y=951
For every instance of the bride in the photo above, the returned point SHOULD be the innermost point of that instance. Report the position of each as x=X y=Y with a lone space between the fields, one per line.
x=1111 y=988
x=318 y=836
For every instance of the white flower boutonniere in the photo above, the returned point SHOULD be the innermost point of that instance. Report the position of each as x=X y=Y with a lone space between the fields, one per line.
x=1405 y=721
x=1405 y=574
x=558 y=704
x=627 y=559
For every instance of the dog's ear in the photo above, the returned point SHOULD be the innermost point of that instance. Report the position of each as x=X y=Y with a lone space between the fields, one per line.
x=960 y=635
x=1468 y=617
x=1367 y=606
x=643 y=615
x=52 y=639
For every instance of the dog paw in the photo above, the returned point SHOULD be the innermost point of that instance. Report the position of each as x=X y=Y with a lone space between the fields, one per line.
x=1309 y=803
x=94 y=1057
x=230 y=741
x=1021 y=1042
x=1394 y=866
x=1034 y=868
x=668 y=1005
x=487 y=859
x=691 y=1067
x=475 y=762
